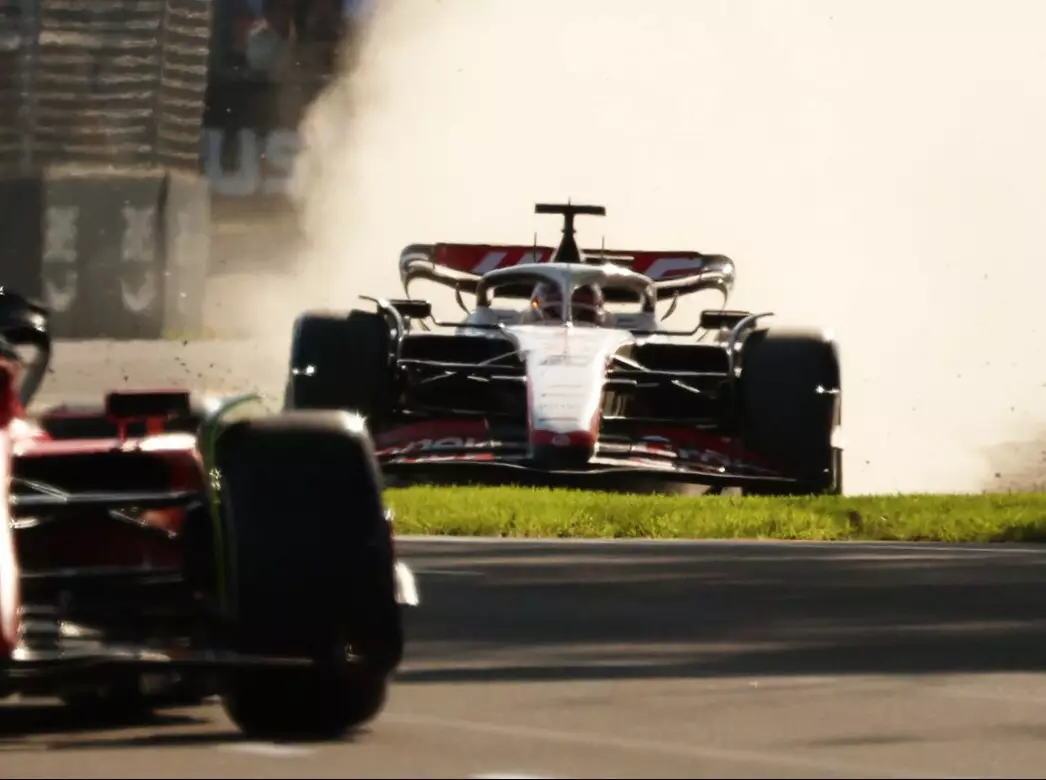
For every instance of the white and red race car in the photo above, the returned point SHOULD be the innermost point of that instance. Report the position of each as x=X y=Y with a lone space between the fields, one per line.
x=565 y=391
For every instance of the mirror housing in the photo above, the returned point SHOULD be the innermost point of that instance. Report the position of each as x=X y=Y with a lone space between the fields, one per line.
x=412 y=309
x=718 y=320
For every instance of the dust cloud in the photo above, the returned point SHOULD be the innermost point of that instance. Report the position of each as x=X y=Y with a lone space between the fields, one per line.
x=876 y=168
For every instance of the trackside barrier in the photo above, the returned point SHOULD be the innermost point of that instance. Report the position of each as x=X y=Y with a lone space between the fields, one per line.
x=104 y=216
x=119 y=254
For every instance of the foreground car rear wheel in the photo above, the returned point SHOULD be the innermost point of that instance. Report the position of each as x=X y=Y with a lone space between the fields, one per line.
x=309 y=573
x=791 y=406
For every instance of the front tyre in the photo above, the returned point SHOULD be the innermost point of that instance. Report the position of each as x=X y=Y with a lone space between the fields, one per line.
x=340 y=361
x=791 y=408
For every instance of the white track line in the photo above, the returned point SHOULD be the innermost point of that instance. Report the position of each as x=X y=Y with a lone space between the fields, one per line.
x=266 y=749
x=613 y=742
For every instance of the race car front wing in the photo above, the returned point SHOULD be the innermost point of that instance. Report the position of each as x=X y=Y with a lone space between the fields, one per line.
x=507 y=463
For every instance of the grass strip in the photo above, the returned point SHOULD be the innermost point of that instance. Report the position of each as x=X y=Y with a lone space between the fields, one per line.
x=562 y=513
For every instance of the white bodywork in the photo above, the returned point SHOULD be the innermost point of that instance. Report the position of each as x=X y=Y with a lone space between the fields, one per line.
x=566 y=365
x=566 y=362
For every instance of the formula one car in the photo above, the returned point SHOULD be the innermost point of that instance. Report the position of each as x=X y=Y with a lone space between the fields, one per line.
x=157 y=552
x=565 y=391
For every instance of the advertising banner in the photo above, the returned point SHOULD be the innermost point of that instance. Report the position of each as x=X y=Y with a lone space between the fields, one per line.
x=269 y=61
x=104 y=102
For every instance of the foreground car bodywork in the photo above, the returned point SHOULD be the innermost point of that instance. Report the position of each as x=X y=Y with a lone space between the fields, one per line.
x=152 y=553
x=504 y=398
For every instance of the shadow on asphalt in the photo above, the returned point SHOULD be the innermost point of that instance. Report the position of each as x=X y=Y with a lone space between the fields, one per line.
x=159 y=739
x=56 y=727
x=522 y=613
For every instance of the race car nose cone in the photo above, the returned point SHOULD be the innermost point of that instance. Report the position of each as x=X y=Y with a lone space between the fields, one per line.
x=554 y=450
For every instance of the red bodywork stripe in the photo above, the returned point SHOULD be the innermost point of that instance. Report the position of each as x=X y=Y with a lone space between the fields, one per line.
x=481 y=258
x=680 y=439
x=568 y=440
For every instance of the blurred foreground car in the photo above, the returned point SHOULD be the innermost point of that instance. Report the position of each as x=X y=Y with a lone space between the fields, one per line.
x=153 y=553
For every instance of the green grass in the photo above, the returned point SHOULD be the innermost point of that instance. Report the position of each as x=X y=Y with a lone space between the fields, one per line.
x=522 y=512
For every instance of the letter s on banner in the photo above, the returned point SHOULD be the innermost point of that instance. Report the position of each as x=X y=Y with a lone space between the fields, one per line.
x=264 y=163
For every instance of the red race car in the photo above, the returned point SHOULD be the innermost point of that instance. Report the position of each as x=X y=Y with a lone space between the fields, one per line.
x=155 y=553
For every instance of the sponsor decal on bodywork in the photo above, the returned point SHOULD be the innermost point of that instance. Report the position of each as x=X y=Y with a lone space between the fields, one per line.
x=440 y=440
x=477 y=457
x=451 y=443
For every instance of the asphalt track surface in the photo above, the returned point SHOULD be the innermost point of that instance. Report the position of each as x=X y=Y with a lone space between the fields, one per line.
x=580 y=659
x=707 y=659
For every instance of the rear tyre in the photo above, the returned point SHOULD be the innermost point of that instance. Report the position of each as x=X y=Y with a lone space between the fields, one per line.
x=791 y=408
x=339 y=361
x=309 y=572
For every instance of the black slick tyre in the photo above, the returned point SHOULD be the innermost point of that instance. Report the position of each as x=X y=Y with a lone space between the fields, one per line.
x=339 y=361
x=308 y=573
x=791 y=408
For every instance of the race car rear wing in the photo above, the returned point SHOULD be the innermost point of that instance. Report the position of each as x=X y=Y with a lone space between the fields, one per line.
x=462 y=266
x=153 y=407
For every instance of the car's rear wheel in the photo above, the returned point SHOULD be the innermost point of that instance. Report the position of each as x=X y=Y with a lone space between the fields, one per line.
x=308 y=574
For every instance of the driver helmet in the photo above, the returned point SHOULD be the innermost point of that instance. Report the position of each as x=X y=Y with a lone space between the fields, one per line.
x=587 y=303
